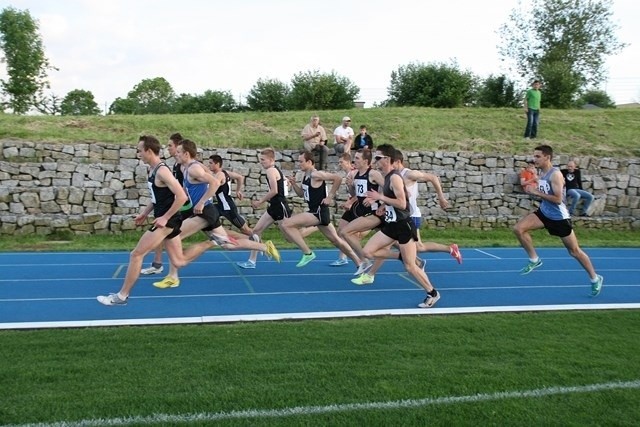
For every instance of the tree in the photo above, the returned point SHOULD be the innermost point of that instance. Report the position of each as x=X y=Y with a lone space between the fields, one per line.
x=312 y=90
x=79 y=102
x=216 y=101
x=432 y=85
x=186 y=103
x=123 y=106
x=27 y=64
x=599 y=98
x=561 y=84
x=562 y=42
x=269 y=95
x=150 y=96
x=498 y=91
x=211 y=101
x=49 y=104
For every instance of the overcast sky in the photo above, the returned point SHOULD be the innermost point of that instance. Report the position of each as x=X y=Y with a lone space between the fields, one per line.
x=107 y=47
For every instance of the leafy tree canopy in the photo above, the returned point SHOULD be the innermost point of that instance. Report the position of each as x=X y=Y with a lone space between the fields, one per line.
x=26 y=62
x=79 y=102
x=564 y=43
x=312 y=90
x=269 y=95
x=432 y=85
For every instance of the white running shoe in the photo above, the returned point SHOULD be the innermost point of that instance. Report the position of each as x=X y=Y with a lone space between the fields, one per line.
x=246 y=264
x=364 y=266
x=430 y=300
x=152 y=270
x=111 y=299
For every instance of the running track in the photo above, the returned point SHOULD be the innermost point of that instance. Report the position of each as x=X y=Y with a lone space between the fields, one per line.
x=49 y=290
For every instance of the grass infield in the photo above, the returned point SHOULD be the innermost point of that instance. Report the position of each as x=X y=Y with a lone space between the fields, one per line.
x=555 y=368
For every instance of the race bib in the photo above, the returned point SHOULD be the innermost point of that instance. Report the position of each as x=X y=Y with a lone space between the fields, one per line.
x=390 y=214
x=360 y=186
x=544 y=186
x=153 y=196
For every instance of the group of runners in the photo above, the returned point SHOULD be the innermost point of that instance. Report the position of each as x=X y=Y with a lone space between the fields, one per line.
x=382 y=198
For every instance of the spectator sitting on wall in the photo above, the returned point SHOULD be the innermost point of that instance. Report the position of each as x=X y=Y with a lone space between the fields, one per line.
x=363 y=139
x=529 y=176
x=343 y=137
x=573 y=184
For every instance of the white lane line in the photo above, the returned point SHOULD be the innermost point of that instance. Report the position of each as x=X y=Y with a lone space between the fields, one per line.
x=312 y=315
x=487 y=253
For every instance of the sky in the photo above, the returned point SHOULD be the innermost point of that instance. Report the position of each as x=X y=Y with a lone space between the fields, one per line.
x=107 y=47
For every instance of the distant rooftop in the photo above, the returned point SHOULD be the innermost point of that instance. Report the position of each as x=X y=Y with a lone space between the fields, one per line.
x=629 y=105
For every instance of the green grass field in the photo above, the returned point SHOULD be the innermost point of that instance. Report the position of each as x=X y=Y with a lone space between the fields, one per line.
x=546 y=368
x=604 y=133
x=556 y=368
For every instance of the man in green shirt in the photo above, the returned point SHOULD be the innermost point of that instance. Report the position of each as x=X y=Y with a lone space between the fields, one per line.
x=532 y=109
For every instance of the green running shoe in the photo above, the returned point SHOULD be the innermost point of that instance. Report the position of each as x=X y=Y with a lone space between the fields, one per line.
x=531 y=266
x=306 y=259
x=596 y=286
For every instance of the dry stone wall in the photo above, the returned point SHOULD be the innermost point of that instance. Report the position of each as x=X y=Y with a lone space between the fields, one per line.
x=98 y=188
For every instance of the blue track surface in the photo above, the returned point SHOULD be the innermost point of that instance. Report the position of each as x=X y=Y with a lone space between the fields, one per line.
x=39 y=290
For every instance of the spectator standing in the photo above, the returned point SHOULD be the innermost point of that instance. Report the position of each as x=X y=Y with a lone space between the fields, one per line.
x=343 y=137
x=363 y=139
x=314 y=138
x=573 y=184
x=529 y=177
x=532 y=109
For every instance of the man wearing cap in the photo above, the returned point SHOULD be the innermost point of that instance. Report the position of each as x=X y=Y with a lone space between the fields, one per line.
x=343 y=137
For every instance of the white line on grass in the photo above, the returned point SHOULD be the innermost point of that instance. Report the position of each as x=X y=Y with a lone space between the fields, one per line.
x=346 y=407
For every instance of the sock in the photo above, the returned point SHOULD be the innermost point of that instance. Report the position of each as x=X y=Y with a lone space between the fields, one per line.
x=122 y=297
x=534 y=260
x=156 y=264
x=595 y=279
x=433 y=292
